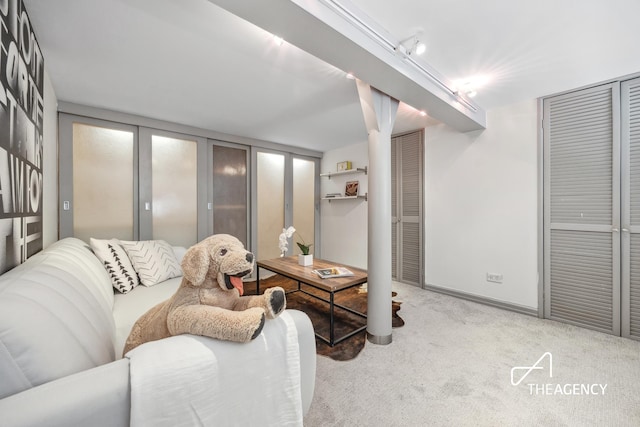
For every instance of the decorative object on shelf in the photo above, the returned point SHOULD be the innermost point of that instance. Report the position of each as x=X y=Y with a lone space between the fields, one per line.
x=343 y=166
x=351 y=188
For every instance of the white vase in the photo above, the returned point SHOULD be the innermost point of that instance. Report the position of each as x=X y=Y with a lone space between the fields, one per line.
x=305 y=260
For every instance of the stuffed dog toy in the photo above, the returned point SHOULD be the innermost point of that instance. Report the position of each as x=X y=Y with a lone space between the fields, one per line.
x=209 y=300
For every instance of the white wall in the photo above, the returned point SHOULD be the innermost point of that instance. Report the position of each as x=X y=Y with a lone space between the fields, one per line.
x=480 y=208
x=343 y=223
x=50 y=165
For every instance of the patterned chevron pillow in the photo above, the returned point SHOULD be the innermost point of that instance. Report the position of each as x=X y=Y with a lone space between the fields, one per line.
x=153 y=260
x=116 y=261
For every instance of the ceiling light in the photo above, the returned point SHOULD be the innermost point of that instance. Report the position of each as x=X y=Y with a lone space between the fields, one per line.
x=278 y=40
x=350 y=76
x=422 y=113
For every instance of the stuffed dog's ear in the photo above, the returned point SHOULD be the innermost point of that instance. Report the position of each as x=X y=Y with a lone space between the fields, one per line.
x=195 y=264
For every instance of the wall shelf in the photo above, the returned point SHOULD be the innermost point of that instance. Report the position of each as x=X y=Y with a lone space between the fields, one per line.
x=347 y=172
x=346 y=197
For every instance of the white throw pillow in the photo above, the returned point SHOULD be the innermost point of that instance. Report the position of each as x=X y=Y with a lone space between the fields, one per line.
x=153 y=260
x=116 y=261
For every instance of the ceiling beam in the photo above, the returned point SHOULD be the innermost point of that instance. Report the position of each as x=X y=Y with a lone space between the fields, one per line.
x=317 y=28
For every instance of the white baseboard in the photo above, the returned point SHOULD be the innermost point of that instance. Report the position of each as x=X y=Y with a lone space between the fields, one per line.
x=484 y=300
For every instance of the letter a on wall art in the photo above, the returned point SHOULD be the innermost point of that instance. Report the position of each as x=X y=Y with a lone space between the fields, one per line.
x=21 y=118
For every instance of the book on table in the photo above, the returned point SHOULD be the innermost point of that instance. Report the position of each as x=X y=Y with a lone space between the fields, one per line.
x=326 y=273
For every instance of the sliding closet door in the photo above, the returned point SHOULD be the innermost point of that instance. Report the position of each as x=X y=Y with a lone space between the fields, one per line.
x=630 y=122
x=230 y=190
x=304 y=199
x=582 y=208
x=98 y=179
x=270 y=202
x=285 y=193
x=169 y=192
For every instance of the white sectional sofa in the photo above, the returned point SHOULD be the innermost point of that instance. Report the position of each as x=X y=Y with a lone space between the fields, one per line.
x=62 y=331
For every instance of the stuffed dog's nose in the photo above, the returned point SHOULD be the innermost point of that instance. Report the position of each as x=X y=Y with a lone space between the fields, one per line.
x=249 y=257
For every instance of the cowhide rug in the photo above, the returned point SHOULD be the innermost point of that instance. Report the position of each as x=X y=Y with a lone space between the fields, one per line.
x=318 y=312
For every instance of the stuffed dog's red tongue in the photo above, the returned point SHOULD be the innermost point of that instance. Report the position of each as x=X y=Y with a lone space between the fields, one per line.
x=237 y=283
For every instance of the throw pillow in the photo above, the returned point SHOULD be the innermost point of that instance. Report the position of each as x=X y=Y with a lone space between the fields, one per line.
x=116 y=261
x=153 y=260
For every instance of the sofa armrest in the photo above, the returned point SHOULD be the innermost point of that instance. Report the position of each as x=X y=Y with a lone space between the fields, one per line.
x=307 y=344
x=97 y=397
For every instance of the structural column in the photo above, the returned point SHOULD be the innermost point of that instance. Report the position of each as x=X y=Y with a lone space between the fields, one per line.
x=379 y=112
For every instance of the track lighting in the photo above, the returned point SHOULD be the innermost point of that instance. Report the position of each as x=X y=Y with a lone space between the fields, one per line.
x=405 y=48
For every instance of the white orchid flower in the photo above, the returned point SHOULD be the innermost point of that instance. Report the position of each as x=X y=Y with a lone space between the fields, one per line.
x=282 y=240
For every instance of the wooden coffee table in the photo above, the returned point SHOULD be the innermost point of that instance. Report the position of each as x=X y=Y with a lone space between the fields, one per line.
x=289 y=267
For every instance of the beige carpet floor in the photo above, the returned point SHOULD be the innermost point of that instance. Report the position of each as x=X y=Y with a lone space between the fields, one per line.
x=450 y=365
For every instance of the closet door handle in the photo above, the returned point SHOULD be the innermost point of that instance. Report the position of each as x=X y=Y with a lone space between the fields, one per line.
x=615 y=229
x=625 y=230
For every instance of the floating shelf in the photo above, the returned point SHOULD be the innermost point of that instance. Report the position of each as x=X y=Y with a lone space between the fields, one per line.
x=346 y=197
x=347 y=172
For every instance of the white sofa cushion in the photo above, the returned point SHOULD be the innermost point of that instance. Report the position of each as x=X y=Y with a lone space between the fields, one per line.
x=153 y=260
x=116 y=261
x=55 y=317
x=129 y=307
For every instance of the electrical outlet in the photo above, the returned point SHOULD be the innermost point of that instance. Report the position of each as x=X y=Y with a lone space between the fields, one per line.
x=494 y=277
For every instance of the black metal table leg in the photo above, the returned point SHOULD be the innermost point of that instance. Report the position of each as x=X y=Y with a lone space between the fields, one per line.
x=331 y=332
x=258 y=281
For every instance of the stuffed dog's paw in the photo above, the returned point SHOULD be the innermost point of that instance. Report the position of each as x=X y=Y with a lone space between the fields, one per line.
x=257 y=331
x=275 y=301
x=254 y=321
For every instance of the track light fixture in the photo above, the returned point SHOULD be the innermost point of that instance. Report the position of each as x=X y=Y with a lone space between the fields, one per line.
x=410 y=46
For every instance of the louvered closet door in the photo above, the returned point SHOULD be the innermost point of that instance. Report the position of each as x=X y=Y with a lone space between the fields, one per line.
x=582 y=208
x=394 y=210
x=407 y=208
x=630 y=122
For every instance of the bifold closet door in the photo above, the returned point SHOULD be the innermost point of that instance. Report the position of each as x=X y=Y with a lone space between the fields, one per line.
x=407 y=213
x=582 y=208
x=630 y=123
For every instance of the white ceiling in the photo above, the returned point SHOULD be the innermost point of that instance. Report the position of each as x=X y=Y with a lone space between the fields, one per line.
x=193 y=63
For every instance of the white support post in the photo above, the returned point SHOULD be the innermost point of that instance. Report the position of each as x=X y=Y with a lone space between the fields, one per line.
x=379 y=112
